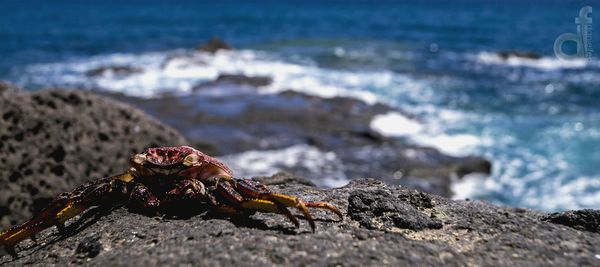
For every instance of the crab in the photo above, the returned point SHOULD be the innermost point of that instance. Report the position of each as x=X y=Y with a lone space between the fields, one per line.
x=158 y=180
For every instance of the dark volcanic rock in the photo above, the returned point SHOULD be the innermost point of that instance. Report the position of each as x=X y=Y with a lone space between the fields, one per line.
x=380 y=210
x=473 y=234
x=214 y=45
x=236 y=119
x=89 y=247
x=113 y=70
x=518 y=54
x=236 y=79
x=585 y=220
x=53 y=140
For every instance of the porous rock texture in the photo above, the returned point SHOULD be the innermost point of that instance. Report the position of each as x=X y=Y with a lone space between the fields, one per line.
x=585 y=220
x=54 y=140
x=373 y=233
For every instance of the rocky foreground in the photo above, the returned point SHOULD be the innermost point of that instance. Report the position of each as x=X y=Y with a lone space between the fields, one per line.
x=384 y=225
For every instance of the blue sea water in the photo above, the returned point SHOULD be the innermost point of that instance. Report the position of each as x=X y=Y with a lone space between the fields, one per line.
x=537 y=120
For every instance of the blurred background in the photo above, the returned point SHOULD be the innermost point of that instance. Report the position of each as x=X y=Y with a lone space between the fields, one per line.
x=470 y=77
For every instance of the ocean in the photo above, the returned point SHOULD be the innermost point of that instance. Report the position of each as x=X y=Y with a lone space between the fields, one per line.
x=451 y=65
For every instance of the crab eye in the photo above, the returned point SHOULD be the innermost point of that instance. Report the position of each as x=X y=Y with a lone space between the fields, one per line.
x=139 y=158
x=191 y=159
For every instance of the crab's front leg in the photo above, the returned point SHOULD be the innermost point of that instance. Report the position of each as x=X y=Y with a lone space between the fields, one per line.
x=67 y=206
x=142 y=200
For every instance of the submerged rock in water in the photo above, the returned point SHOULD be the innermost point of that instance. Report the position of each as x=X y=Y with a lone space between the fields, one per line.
x=213 y=46
x=235 y=79
x=423 y=230
x=113 y=70
x=505 y=55
x=54 y=140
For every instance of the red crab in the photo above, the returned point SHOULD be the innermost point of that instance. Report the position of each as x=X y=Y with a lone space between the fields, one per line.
x=158 y=178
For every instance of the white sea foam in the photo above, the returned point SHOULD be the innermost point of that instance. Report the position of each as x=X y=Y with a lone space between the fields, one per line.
x=470 y=185
x=325 y=168
x=395 y=124
x=573 y=194
x=456 y=145
x=178 y=71
x=543 y=63
x=431 y=134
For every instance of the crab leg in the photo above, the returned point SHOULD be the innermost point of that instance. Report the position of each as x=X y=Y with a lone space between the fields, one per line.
x=269 y=206
x=143 y=200
x=324 y=205
x=254 y=189
x=227 y=191
x=63 y=208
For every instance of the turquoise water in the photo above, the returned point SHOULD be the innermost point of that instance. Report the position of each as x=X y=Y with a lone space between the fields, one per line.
x=538 y=120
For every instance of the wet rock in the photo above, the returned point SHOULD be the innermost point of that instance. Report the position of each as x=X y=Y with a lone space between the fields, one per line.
x=236 y=79
x=473 y=165
x=213 y=46
x=505 y=55
x=473 y=234
x=54 y=140
x=113 y=70
x=241 y=79
x=584 y=220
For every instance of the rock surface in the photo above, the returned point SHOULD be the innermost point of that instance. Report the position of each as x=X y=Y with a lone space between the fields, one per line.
x=585 y=220
x=236 y=79
x=505 y=55
x=113 y=70
x=54 y=140
x=439 y=232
